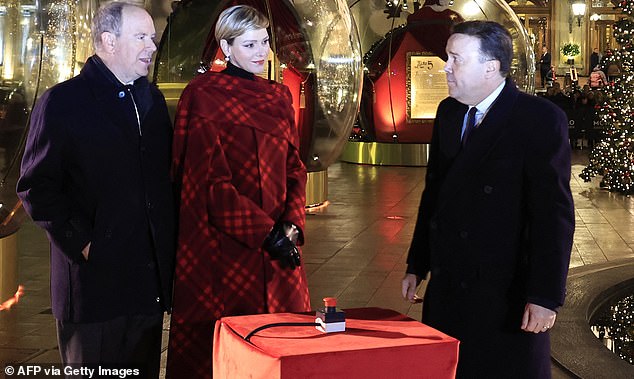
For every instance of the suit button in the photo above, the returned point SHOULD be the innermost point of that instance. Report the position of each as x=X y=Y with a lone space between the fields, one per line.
x=464 y=284
x=108 y=233
x=464 y=234
x=150 y=205
x=433 y=225
x=488 y=190
x=69 y=233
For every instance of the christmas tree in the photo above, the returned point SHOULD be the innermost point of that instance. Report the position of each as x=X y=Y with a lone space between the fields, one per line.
x=613 y=157
x=616 y=325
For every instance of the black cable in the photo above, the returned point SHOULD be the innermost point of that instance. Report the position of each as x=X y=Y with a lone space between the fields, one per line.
x=276 y=324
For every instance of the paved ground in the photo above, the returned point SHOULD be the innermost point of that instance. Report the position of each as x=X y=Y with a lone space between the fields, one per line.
x=355 y=249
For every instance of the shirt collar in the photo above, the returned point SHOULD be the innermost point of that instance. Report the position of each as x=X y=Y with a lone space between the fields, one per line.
x=484 y=105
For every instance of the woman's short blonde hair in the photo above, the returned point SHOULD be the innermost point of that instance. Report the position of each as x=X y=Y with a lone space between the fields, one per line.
x=237 y=20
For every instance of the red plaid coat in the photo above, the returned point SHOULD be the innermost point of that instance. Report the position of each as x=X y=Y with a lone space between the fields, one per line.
x=237 y=162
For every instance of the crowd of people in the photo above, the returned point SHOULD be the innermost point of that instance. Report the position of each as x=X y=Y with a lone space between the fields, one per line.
x=579 y=103
x=581 y=106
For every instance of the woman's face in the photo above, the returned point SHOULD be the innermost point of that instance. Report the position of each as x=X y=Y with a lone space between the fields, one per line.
x=249 y=51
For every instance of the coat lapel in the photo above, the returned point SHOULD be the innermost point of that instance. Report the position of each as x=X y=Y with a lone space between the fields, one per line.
x=482 y=141
x=116 y=108
x=143 y=97
x=113 y=99
x=452 y=130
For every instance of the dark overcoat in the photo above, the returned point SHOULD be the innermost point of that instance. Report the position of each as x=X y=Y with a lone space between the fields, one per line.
x=89 y=175
x=544 y=64
x=495 y=229
x=236 y=160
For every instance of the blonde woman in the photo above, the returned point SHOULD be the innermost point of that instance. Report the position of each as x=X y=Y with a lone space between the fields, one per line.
x=242 y=187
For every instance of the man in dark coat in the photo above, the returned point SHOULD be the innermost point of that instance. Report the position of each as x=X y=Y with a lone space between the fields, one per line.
x=595 y=58
x=496 y=219
x=95 y=176
x=544 y=64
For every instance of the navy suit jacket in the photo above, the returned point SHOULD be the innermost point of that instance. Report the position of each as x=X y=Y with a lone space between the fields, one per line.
x=495 y=226
x=89 y=176
x=544 y=63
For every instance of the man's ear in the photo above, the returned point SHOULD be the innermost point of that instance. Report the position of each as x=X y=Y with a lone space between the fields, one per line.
x=108 y=41
x=492 y=66
x=226 y=48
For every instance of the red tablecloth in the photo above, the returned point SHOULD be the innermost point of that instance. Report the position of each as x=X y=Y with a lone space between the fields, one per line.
x=377 y=343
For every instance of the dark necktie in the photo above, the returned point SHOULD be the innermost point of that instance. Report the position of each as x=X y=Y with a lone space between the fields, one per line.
x=470 y=125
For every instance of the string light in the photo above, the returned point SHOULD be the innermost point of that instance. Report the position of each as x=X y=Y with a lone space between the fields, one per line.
x=614 y=327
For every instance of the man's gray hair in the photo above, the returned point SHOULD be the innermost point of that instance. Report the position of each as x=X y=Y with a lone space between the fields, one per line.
x=109 y=18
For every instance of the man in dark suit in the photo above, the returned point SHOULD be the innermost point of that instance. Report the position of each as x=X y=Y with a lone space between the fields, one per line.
x=95 y=176
x=496 y=219
x=544 y=64
x=595 y=58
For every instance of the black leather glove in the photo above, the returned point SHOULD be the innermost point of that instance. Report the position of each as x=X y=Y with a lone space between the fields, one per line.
x=281 y=248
